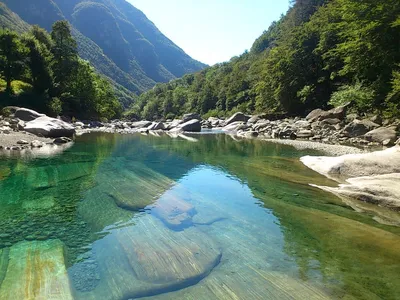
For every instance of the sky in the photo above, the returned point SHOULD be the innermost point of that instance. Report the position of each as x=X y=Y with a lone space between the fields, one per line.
x=212 y=31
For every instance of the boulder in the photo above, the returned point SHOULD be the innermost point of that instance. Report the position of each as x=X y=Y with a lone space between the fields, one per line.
x=156 y=126
x=37 y=144
x=304 y=134
x=141 y=124
x=27 y=115
x=331 y=121
x=303 y=124
x=190 y=126
x=254 y=119
x=50 y=127
x=382 y=134
x=356 y=165
x=335 y=113
x=238 y=117
x=236 y=126
x=62 y=140
x=189 y=117
x=359 y=127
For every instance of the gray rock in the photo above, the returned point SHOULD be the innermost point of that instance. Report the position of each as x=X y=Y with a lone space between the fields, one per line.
x=331 y=121
x=190 y=126
x=141 y=124
x=21 y=125
x=335 y=113
x=50 y=127
x=387 y=134
x=304 y=134
x=22 y=142
x=235 y=126
x=191 y=116
x=62 y=140
x=303 y=124
x=254 y=119
x=358 y=128
x=79 y=124
x=37 y=144
x=377 y=119
x=156 y=126
x=238 y=117
x=398 y=142
x=27 y=115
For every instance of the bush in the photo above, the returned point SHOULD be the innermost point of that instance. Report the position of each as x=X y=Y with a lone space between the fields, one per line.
x=362 y=97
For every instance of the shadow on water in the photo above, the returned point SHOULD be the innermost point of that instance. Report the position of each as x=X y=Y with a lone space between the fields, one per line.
x=152 y=216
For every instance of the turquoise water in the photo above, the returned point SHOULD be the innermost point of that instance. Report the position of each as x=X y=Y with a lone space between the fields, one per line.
x=133 y=216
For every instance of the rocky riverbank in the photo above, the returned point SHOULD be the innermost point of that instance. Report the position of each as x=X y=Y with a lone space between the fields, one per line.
x=26 y=130
x=330 y=127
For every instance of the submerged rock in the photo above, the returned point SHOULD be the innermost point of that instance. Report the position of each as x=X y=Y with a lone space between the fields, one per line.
x=173 y=210
x=149 y=259
x=36 y=270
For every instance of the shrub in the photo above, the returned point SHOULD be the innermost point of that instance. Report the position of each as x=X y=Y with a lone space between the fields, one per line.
x=362 y=97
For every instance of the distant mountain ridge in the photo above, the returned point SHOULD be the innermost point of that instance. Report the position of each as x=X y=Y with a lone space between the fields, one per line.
x=117 y=38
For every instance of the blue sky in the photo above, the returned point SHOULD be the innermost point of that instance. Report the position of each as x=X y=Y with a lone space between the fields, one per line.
x=212 y=31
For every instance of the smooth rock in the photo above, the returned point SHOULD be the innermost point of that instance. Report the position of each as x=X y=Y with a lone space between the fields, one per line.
x=62 y=140
x=237 y=117
x=190 y=126
x=356 y=165
x=27 y=115
x=50 y=127
x=156 y=126
x=36 y=270
x=141 y=124
x=189 y=117
x=149 y=259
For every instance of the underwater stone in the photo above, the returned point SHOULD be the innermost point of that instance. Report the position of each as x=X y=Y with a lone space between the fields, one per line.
x=148 y=259
x=36 y=270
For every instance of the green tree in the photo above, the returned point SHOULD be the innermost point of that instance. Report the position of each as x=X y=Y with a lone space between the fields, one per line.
x=39 y=59
x=65 y=54
x=12 y=57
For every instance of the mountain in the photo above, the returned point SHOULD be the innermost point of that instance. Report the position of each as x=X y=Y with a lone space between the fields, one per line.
x=321 y=53
x=117 y=38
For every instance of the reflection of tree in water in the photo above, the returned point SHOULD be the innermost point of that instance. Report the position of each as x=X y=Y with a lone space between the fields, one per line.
x=324 y=236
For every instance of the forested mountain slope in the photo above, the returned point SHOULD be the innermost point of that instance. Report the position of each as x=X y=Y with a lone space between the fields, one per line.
x=321 y=53
x=114 y=36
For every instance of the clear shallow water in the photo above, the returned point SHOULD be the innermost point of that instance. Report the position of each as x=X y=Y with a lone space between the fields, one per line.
x=127 y=217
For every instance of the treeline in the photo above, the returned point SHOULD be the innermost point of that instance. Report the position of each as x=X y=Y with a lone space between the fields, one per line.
x=44 y=72
x=322 y=53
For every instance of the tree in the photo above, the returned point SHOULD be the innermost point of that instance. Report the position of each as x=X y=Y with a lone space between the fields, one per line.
x=65 y=54
x=12 y=57
x=39 y=64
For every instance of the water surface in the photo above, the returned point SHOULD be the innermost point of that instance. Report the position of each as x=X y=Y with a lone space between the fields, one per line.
x=160 y=218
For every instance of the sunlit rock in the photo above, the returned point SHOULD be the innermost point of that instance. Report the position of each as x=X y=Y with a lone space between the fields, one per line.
x=36 y=270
